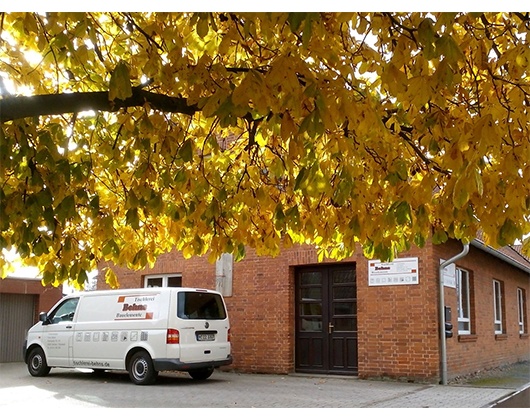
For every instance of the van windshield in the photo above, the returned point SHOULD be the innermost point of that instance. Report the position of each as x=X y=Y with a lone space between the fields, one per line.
x=200 y=305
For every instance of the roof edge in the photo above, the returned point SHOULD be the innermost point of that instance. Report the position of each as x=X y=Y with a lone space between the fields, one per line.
x=480 y=245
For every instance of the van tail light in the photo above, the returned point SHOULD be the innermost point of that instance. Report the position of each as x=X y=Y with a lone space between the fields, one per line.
x=229 y=335
x=173 y=336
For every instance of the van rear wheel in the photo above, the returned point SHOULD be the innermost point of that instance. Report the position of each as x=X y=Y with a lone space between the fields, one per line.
x=201 y=374
x=37 y=365
x=141 y=369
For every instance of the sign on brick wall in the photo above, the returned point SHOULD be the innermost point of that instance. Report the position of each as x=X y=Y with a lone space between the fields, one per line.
x=449 y=275
x=401 y=271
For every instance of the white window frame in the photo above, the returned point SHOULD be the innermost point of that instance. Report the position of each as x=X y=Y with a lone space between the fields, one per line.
x=164 y=277
x=520 y=309
x=497 y=307
x=463 y=301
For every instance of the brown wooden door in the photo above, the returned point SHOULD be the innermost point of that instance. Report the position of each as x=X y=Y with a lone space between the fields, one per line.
x=326 y=320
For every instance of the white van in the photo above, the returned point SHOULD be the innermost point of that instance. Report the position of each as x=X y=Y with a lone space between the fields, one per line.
x=143 y=331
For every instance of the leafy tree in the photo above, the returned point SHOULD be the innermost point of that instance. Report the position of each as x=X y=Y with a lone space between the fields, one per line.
x=124 y=135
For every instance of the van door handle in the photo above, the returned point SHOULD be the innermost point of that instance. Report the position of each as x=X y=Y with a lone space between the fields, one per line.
x=68 y=326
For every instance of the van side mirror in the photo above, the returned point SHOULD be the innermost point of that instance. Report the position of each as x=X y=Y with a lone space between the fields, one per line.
x=43 y=316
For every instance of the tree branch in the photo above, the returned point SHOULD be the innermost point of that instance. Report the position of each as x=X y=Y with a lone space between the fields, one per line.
x=15 y=107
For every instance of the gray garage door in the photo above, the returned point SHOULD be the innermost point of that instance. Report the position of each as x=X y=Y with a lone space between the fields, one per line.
x=16 y=317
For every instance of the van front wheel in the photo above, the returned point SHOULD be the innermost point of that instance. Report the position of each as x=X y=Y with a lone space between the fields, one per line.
x=37 y=365
x=201 y=374
x=141 y=369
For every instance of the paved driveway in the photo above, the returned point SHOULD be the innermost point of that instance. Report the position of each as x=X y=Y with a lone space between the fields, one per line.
x=66 y=389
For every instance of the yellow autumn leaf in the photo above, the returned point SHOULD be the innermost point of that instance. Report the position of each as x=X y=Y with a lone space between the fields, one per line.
x=111 y=279
x=120 y=82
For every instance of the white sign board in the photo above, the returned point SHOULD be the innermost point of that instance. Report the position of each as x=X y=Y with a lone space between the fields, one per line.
x=449 y=275
x=401 y=271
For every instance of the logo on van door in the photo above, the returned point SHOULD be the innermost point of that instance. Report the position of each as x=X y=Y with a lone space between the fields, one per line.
x=135 y=307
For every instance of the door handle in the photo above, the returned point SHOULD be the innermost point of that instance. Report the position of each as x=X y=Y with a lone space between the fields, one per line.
x=68 y=326
x=330 y=328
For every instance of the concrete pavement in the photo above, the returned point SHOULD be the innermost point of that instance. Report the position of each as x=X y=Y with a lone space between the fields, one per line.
x=69 y=388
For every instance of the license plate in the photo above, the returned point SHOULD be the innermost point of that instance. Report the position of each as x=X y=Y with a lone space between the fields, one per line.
x=205 y=337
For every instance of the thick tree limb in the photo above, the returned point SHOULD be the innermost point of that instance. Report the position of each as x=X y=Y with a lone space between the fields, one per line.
x=15 y=107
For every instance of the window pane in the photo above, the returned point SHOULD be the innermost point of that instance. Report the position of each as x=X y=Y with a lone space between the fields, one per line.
x=343 y=308
x=497 y=300
x=174 y=281
x=465 y=295
x=65 y=312
x=497 y=297
x=463 y=301
x=345 y=324
x=311 y=324
x=198 y=305
x=314 y=293
x=346 y=276
x=463 y=327
x=520 y=305
x=343 y=292
x=311 y=279
x=154 y=282
x=311 y=309
x=521 y=310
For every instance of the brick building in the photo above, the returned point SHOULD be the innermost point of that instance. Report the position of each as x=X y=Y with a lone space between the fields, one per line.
x=365 y=318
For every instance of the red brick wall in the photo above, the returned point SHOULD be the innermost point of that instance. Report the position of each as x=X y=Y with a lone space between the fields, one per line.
x=398 y=325
x=398 y=336
x=262 y=313
x=196 y=272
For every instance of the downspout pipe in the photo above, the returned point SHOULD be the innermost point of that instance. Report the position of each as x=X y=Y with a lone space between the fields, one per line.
x=441 y=311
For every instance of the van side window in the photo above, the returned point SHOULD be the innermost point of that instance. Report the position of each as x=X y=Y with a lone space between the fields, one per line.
x=64 y=312
x=199 y=305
